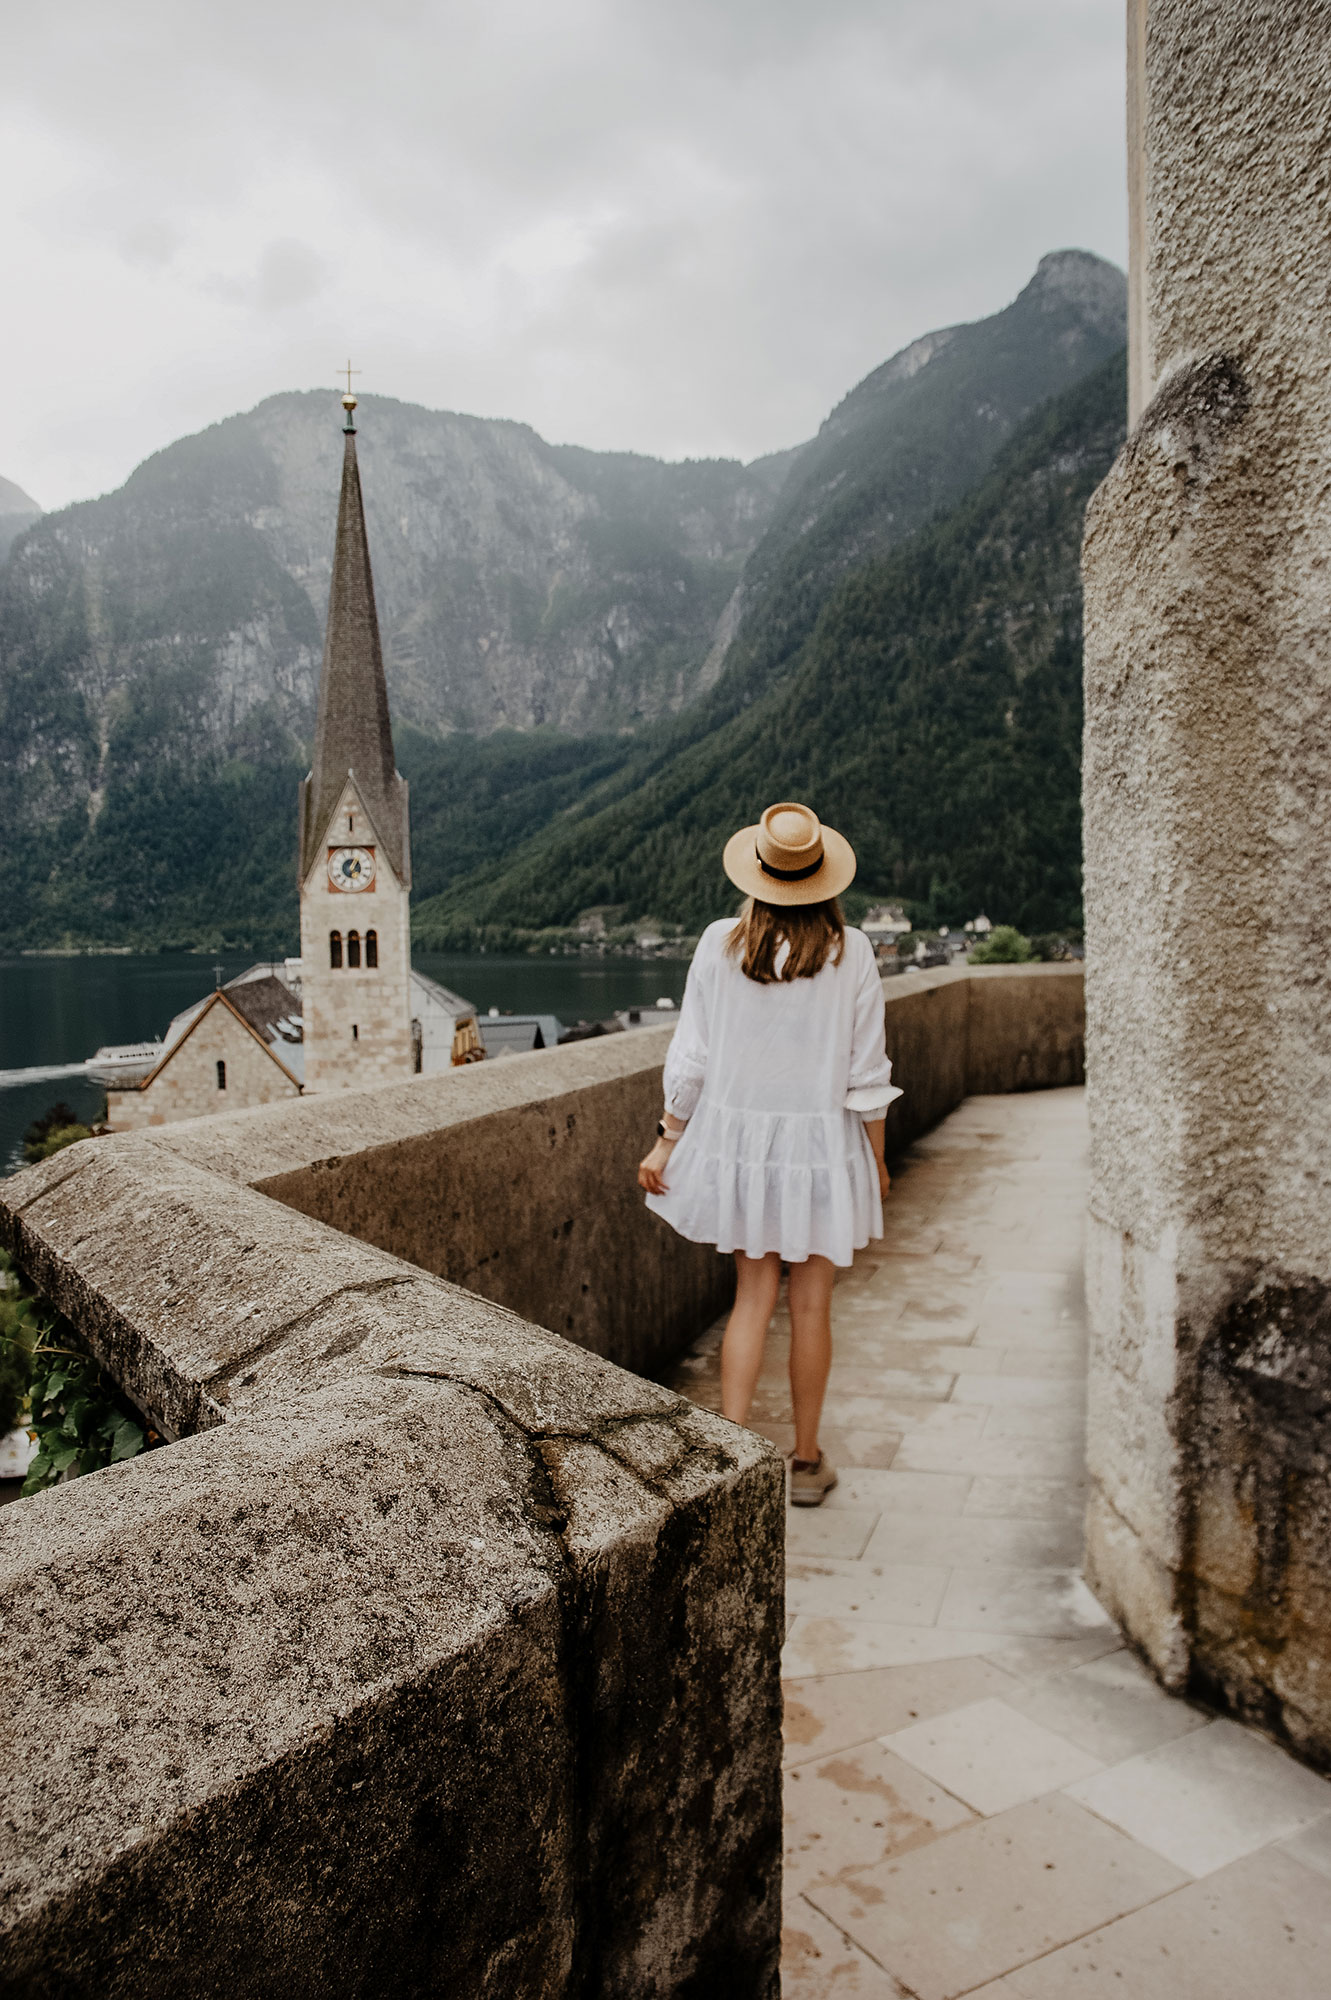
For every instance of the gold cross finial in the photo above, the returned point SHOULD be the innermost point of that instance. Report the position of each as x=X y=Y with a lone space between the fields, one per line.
x=349 y=371
x=349 y=398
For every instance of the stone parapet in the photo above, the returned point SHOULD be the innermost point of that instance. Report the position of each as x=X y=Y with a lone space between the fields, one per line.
x=437 y=1642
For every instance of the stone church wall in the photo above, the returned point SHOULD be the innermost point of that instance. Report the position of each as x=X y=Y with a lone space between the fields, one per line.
x=188 y=1085
x=1208 y=872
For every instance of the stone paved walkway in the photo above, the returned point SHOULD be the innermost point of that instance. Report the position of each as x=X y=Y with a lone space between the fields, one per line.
x=985 y=1793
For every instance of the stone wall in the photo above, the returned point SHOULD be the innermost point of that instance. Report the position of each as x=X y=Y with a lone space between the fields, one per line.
x=187 y=1087
x=357 y=1018
x=439 y=1655
x=965 y=1031
x=1208 y=843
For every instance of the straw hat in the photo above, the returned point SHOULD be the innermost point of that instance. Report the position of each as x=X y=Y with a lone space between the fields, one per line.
x=789 y=857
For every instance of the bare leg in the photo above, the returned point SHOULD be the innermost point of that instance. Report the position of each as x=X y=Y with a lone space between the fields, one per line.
x=810 y=1348
x=758 y=1279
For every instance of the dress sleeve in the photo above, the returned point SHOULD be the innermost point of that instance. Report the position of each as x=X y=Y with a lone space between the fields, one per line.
x=686 y=1063
x=870 y=1088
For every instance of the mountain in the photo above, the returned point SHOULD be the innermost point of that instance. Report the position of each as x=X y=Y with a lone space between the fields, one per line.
x=561 y=626
x=933 y=714
x=909 y=441
x=18 y=510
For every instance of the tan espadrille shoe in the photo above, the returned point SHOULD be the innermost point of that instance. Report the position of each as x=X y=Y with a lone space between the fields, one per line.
x=811 y=1484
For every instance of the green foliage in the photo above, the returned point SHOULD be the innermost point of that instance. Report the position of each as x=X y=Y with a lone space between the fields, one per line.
x=81 y=1421
x=55 y=1129
x=1003 y=945
x=55 y=1141
x=1054 y=946
x=20 y=1329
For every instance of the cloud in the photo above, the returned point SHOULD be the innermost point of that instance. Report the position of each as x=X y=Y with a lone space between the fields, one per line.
x=683 y=226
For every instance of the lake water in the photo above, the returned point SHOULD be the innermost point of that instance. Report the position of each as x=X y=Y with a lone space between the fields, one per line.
x=59 y=1010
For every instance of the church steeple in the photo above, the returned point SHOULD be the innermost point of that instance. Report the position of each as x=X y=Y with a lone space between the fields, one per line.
x=353 y=736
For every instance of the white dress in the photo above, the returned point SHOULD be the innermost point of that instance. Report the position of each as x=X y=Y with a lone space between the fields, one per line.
x=776 y=1082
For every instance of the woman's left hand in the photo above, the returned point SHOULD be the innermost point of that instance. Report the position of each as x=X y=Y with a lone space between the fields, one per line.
x=651 y=1169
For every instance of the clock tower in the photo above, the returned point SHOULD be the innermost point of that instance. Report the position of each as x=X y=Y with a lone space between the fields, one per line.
x=355 y=844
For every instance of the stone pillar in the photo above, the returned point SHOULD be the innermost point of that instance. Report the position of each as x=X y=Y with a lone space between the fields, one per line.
x=1208 y=877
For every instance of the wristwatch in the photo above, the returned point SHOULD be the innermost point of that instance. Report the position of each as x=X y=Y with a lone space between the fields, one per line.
x=661 y=1132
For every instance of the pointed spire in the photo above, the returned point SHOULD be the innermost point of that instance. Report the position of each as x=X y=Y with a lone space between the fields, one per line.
x=353 y=735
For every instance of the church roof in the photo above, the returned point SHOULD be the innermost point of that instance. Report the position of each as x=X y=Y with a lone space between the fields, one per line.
x=353 y=736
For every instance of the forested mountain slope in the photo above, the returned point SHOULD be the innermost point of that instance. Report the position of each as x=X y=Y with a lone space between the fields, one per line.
x=933 y=714
x=909 y=441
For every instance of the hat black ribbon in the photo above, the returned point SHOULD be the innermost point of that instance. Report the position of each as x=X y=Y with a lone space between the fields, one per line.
x=788 y=874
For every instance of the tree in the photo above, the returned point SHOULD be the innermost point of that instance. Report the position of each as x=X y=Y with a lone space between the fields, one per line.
x=1004 y=945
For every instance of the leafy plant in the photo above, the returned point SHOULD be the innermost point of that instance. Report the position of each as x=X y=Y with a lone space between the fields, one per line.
x=76 y=1414
x=80 y=1421
x=1003 y=946
x=20 y=1330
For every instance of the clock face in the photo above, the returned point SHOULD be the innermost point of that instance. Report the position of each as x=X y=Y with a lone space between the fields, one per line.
x=351 y=868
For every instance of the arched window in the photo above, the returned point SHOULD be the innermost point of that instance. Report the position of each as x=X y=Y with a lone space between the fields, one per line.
x=335 y=950
x=372 y=949
x=221 y=1076
x=353 y=948
x=355 y=1032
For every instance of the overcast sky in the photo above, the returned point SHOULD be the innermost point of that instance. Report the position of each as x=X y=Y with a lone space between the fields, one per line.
x=677 y=226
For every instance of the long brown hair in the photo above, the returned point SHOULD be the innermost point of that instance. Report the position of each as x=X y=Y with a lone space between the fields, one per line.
x=814 y=932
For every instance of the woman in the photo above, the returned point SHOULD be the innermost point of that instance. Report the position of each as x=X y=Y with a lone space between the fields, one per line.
x=776 y=1088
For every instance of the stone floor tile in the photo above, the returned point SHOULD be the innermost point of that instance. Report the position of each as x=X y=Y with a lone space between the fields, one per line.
x=927 y=1450
x=900 y=1492
x=870 y=1450
x=819 y=1963
x=942 y=1316
x=993 y=1895
x=1032 y=1392
x=1069 y=1361
x=972 y=1541
x=1030 y=1498
x=892 y=1593
x=829 y=1531
x=1110 y=1707
x=857 y=1807
x=867 y=1378
x=992 y=1755
x=1023 y=1420
x=835 y=1713
x=1209 y=1798
x=953 y=1328
x=944 y=1356
x=958 y=1427
x=1260 y=1929
x=1032 y=1659
x=1312 y=1846
x=1053 y=1334
x=1041 y=1602
x=846 y=1645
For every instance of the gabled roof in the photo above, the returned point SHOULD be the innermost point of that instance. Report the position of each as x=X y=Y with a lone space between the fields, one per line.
x=453 y=1002
x=221 y=998
x=266 y=1004
x=353 y=736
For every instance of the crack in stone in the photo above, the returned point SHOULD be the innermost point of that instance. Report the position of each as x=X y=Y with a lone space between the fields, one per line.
x=219 y=1384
